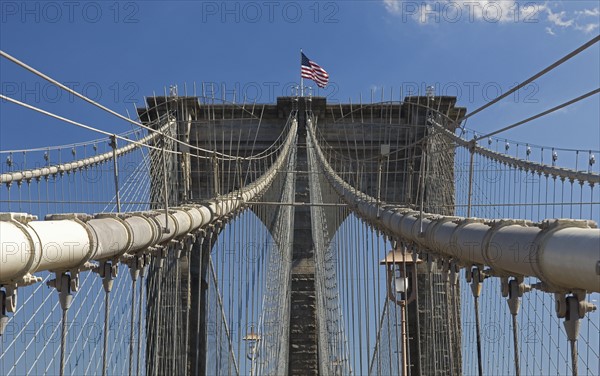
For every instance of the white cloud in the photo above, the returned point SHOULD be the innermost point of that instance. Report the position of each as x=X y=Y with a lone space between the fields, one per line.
x=428 y=12
x=558 y=19
x=435 y=11
x=587 y=28
x=424 y=14
x=493 y=11
x=392 y=6
x=588 y=12
x=530 y=12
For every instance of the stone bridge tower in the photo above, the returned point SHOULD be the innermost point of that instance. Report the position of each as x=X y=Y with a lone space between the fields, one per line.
x=424 y=169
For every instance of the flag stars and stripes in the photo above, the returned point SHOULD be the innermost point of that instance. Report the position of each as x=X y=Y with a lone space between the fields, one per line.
x=312 y=71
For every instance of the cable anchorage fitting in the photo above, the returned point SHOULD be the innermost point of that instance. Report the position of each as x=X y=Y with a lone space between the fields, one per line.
x=107 y=270
x=66 y=282
x=475 y=276
x=572 y=308
x=514 y=289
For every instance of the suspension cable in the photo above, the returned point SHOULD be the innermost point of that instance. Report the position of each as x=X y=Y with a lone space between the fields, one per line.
x=121 y=137
x=83 y=97
x=553 y=109
x=534 y=77
x=66 y=146
x=90 y=128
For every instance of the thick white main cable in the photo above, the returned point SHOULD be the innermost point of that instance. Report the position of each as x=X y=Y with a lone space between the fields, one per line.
x=16 y=176
x=545 y=249
x=24 y=239
x=527 y=165
x=155 y=132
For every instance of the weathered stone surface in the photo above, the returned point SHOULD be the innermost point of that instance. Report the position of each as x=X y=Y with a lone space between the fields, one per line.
x=303 y=355
x=366 y=128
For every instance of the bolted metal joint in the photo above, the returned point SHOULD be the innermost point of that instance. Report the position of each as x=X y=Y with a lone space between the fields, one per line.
x=65 y=284
x=107 y=270
x=454 y=272
x=514 y=289
x=136 y=264
x=572 y=308
x=475 y=277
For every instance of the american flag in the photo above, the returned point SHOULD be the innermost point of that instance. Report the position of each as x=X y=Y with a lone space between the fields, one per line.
x=311 y=70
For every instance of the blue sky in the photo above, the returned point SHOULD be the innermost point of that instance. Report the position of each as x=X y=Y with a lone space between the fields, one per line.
x=120 y=52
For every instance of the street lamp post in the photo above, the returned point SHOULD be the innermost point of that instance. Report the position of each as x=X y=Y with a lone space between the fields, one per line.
x=401 y=289
x=252 y=339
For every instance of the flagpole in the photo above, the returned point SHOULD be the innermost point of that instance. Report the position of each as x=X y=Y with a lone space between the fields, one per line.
x=301 y=78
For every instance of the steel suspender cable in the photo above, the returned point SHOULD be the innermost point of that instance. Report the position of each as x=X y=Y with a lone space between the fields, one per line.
x=131 y=324
x=63 y=340
x=106 y=326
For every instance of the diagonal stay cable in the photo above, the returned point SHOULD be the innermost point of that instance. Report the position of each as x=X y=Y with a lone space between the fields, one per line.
x=556 y=108
x=534 y=77
x=90 y=128
x=83 y=97
x=66 y=146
